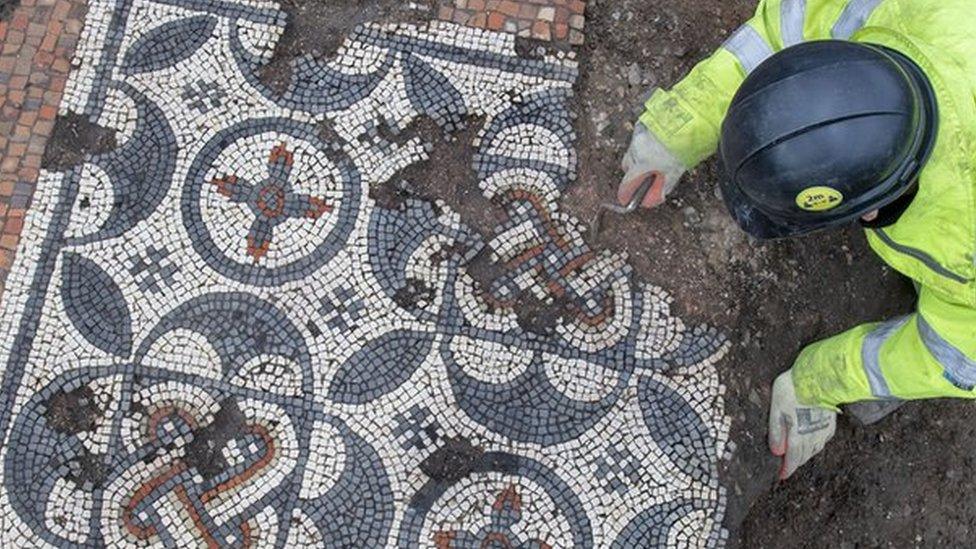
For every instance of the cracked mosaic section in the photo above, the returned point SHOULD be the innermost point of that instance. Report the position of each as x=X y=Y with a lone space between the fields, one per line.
x=214 y=336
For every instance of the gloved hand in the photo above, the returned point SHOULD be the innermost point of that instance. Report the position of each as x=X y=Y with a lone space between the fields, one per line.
x=648 y=157
x=796 y=432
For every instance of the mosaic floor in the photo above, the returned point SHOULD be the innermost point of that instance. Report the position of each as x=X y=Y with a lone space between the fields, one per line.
x=213 y=336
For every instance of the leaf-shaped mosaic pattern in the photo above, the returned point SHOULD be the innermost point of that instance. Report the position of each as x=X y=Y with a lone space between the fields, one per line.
x=380 y=366
x=433 y=94
x=677 y=428
x=168 y=44
x=95 y=305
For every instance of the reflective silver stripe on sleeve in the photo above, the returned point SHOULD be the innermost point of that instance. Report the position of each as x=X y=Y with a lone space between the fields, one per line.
x=749 y=46
x=960 y=370
x=791 y=17
x=871 y=356
x=855 y=14
x=921 y=256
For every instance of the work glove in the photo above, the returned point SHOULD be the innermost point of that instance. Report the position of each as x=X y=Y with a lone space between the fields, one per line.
x=647 y=158
x=796 y=432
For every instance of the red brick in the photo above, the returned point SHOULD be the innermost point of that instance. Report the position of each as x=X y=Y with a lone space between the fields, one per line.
x=36 y=33
x=560 y=31
x=28 y=173
x=9 y=242
x=18 y=82
x=7 y=63
x=562 y=15
x=16 y=150
x=27 y=118
x=61 y=66
x=8 y=165
x=509 y=7
x=49 y=42
x=13 y=226
x=43 y=59
x=30 y=161
x=15 y=37
x=60 y=12
x=19 y=22
x=496 y=20
x=541 y=31
x=23 y=67
x=44 y=126
x=16 y=96
x=21 y=133
x=7 y=257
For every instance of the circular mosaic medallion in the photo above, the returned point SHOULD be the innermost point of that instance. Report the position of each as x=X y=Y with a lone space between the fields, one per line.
x=267 y=202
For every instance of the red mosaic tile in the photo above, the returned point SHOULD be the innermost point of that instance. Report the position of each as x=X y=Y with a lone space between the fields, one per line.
x=38 y=40
x=549 y=20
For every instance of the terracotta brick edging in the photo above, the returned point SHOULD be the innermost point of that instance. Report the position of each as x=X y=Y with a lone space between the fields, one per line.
x=550 y=20
x=39 y=39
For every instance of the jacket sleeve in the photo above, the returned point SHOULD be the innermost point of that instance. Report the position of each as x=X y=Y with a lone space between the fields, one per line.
x=688 y=117
x=929 y=354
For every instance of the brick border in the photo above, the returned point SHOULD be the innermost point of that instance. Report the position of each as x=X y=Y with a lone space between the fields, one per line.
x=550 y=20
x=39 y=39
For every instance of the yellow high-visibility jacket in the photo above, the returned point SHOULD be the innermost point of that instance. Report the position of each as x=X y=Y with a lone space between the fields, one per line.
x=931 y=353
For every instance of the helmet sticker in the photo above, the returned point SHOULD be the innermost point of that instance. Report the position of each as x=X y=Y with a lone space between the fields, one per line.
x=819 y=199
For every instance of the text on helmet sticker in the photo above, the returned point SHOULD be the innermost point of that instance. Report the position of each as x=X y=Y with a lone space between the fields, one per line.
x=819 y=199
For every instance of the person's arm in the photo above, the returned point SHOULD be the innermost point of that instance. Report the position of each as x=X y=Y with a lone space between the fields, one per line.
x=929 y=354
x=687 y=118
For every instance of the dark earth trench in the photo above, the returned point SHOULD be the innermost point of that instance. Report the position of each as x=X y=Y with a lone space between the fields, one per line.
x=901 y=483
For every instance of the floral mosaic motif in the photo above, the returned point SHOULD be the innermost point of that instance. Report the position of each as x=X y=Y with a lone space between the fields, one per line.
x=342 y=309
x=272 y=201
x=416 y=429
x=152 y=270
x=216 y=336
x=619 y=470
x=283 y=219
x=505 y=514
x=203 y=96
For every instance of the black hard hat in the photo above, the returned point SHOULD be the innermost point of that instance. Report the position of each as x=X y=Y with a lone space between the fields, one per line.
x=822 y=133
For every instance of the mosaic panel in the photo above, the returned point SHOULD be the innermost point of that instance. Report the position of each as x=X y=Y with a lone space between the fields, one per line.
x=214 y=336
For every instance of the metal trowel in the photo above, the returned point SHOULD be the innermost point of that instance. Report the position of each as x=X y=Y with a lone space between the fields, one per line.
x=635 y=201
